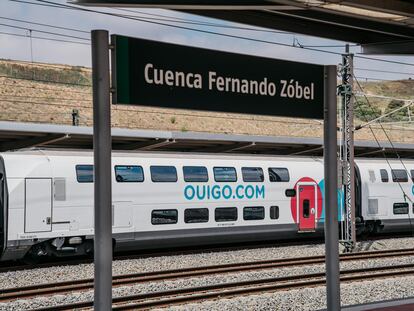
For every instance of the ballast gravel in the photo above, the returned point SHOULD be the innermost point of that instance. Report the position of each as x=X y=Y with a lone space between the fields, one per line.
x=291 y=300
x=310 y=298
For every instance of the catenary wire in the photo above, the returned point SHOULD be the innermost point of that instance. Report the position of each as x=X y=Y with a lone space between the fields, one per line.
x=385 y=80
x=117 y=108
x=405 y=196
x=44 y=25
x=44 y=32
x=63 y=6
x=385 y=71
x=389 y=140
x=56 y=5
x=42 y=38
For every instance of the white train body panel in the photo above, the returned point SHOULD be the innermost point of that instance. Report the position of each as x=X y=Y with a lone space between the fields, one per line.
x=379 y=197
x=33 y=217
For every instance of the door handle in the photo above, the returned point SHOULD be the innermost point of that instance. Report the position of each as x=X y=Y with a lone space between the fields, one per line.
x=48 y=220
x=313 y=211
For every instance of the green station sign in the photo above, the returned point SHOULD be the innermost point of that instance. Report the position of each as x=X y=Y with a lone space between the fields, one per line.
x=158 y=74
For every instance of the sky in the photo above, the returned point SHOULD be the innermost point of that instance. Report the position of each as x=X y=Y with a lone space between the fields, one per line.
x=39 y=50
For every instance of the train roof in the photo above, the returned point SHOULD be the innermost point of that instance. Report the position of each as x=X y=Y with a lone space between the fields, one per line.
x=163 y=154
x=188 y=155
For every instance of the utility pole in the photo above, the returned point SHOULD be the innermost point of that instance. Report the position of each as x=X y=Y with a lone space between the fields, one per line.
x=102 y=171
x=330 y=158
x=348 y=235
x=31 y=45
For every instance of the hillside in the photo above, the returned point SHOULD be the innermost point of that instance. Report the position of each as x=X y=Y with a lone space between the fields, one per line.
x=45 y=93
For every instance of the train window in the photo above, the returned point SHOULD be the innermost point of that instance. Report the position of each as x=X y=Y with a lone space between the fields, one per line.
x=225 y=214
x=306 y=208
x=384 y=175
x=252 y=174
x=274 y=212
x=129 y=173
x=164 y=217
x=253 y=213
x=196 y=215
x=412 y=175
x=163 y=173
x=225 y=174
x=290 y=193
x=399 y=175
x=84 y=173
x=195 y=174
x=278 y=174
x=400 y=208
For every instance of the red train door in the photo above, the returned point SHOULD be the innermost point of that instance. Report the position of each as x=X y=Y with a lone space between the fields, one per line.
x=307 y=206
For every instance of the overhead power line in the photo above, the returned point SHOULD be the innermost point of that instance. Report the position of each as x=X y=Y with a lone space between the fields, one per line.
x=145 y=20
x=385 y=71
x=44 y=32
x=384 y=60
x=386 y=80
x=164 y=18
x=57 y=5
x=362 y=94
x=42 y=38
x=389 y=140
x=207 y=24
x=44 y=25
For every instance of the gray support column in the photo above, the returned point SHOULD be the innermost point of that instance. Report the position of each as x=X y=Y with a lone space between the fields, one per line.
x=349 y=237
x=102 y=171
x=333 y=298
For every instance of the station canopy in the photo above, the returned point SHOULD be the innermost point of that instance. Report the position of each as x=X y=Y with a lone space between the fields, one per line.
x=17 y=135
x=379 y=26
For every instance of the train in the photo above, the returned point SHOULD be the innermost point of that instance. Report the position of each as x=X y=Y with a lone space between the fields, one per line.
x=164 y=200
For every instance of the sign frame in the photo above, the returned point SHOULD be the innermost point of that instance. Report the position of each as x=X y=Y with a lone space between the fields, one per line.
x=102 y=174
x=195 y=78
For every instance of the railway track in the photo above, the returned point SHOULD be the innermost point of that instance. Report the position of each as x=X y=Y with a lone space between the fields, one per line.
x=234 y=289
x=131 y=279
x=19 y=266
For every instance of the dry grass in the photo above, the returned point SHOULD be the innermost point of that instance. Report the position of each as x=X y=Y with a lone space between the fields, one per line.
x=24 y=99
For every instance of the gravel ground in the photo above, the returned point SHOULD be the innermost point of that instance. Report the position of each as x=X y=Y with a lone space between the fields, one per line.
x=364 y=292
x=311 y=298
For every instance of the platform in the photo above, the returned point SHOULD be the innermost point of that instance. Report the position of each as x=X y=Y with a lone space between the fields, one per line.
x=389 y=305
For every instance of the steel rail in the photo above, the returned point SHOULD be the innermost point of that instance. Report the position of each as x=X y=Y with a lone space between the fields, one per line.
x=11 y=266
x=153 y=276
x=70 y=261
x=227 y=290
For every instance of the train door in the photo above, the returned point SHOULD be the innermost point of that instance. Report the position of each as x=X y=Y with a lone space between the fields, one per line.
x=307 y=206
x=122 y=216
x=38 y=204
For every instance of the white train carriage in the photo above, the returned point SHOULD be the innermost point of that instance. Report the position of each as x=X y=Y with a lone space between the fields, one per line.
x=178 y=199
x=385 y=202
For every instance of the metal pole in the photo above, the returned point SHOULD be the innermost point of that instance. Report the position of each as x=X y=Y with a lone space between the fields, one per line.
x=350 y=120
x=333 y=296
x=349 y=238
x=102 y=170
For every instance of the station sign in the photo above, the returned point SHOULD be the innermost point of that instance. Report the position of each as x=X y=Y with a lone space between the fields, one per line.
x=166 y=75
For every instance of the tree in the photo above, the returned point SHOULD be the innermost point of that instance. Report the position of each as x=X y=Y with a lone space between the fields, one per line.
x=365 y=112
x=399 y=115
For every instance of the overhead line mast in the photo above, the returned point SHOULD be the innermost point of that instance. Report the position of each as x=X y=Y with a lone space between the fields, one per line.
x=348 y=234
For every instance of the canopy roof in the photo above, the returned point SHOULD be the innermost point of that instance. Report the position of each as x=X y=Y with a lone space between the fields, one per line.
x=380 y=26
